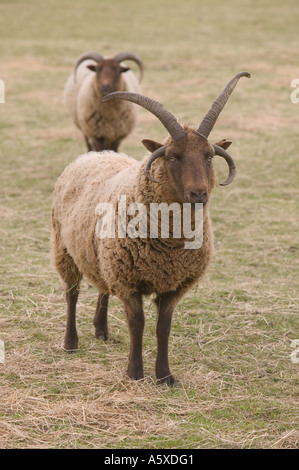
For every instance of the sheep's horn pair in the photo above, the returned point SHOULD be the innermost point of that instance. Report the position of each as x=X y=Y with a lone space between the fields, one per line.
x=120 y=57
x=176 y=131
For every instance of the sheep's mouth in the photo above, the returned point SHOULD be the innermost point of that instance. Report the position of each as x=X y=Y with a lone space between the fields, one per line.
x=199 y=201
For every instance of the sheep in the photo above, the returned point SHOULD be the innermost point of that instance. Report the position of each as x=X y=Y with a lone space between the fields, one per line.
x=103 y=125
x=178 y=171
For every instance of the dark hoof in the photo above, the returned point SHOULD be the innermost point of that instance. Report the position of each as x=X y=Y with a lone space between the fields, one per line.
x=169 y=380
x=71 y=351
x=103 y=337
x=71 y=346
x=102 y=334
x=136 y=374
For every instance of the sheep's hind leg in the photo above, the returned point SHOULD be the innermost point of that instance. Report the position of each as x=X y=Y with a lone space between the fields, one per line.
x=135 y=316
x=71 y=336
x=71 y=275
x=100 y=319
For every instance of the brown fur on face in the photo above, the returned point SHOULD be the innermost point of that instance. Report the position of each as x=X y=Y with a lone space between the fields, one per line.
x=189 y=167
x=108 y=73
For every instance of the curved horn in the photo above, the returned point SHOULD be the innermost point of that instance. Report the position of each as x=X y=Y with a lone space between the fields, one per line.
x=211 y=117
x=168 y=120
x=231 y=164
x=87 y=55
x=156 y=154
x=122 y=56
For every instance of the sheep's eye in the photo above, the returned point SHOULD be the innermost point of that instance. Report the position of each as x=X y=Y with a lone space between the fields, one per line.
x=210 y=158
x=173 y=157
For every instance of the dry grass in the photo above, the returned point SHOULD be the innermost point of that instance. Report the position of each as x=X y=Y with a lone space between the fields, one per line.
x=230 y=343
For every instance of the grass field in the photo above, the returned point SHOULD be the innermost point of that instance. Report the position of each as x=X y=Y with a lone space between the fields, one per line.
x=231 y=337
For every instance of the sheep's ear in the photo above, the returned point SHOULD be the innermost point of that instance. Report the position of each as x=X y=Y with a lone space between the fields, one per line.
x=124 y=69
x=224 y=143
x=91 y=67
x=151 y=145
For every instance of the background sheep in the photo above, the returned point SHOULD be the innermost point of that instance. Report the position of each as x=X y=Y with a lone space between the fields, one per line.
x=103 y=125
x=182 y=171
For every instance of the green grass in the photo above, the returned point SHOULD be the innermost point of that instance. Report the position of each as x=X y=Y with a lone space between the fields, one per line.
x=231 y=336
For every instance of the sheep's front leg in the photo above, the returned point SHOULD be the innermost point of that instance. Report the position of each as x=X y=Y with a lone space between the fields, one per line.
x=100 y=319
x=114 y=146
x=135 y=316
x=98 y=144
x=166 y=303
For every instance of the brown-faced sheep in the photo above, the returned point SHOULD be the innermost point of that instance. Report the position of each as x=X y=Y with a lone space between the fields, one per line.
x=103 y=125
x=179 y=171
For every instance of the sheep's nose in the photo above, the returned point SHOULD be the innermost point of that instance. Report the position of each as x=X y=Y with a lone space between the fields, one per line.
x=106 y=89
x=198 y=196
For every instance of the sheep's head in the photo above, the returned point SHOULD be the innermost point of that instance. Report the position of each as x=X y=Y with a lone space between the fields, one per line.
x=108 y=71
x=188 y=164
x=188 y=154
